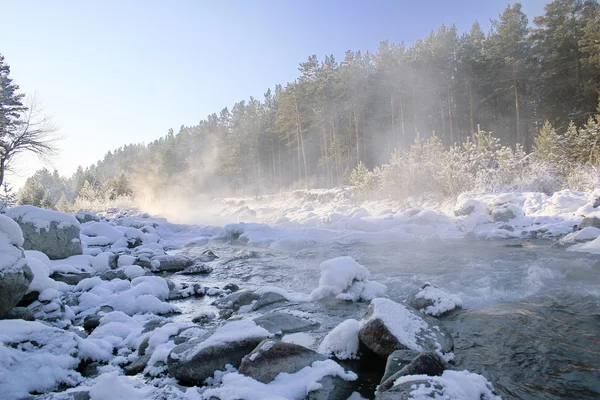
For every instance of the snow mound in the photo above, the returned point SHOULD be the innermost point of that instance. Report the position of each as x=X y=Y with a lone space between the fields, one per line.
x=442 y=300
x=11 y=238
x=346 y=279
x=41 y=218
x=342 y=341
x=11 y=230
x=35 y=358
x=452 y=385
x=284 y=387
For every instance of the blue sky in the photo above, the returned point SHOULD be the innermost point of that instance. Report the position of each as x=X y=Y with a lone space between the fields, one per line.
x=111 y=72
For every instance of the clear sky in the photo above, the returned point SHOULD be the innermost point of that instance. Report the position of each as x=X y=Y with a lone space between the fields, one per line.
x=113 y=72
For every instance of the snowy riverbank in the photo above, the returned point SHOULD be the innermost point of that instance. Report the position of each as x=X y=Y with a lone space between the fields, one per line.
x=108 y=323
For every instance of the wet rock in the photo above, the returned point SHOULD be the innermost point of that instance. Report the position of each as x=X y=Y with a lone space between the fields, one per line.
x=207 y=256
x=138 y=365
x=91 y=322
x=171 y=263
x=333 y=387
x=58 y=239
x=277 y=323
x=20 y=313
x=431 y=300
x=143 y=261
x=143 y=346
x=70 y=278
x=204 y=318
x=28 y=299
x=404 y=390
x=225 y=314
x=153 y=324
x=398 y=360
x=267 y=299
x=197 y=269
x=271 y=357
x=427 y=363
x=416 y=331
x=589 y=221
x=88 y=369
x=236 y=300
x=84 y=216
x=193 y=362
x=231 y=287
x=113 y=261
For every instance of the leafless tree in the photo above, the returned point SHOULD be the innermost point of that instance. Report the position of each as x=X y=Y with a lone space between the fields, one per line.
x=33 y=133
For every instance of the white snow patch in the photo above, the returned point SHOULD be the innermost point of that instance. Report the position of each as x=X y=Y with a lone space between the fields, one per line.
x=442 y=300
x=455 y=385
x=342 y=341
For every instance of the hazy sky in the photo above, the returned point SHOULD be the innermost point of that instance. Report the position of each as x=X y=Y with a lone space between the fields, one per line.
x=111 y=73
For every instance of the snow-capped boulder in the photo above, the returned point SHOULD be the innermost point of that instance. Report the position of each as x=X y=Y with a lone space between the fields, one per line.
x=506 y=212
x=272 y=357
x=462 y=385
x=170 y=263
x=427 y=363
x=35 y=358
x=281 y=323
x=53 y=233
x=593 y=222
x=342 y=341
x=15 y=274
x=433 y=301
x=194 y=361
x=84 y=216
x=390 y=326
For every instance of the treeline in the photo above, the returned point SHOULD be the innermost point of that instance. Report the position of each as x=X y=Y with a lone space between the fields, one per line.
x=314 y=131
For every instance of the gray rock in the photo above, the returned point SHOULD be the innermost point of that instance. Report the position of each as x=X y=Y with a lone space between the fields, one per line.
x=207 y=256
x=13 y=286
x=334 y=387
x=376 y=336
x=589 y=221
x=427 y=363
x=171 y=263
x=464 y=210
x=277 y=322
x=271 y=357
x=268 y=299
x=398 y=360
x=59 y=240
x=84 y=216
x=194 y=368
x=231 y=287
x=20 y=313
x=113 y=274
x=403 y=391
x=596 y=202
x=421 y=304
x=236 y=300
x=138 y=365
x=91 y=322
x=143 y=261
x=197 y=269
x=70 y=278
x=502 y=214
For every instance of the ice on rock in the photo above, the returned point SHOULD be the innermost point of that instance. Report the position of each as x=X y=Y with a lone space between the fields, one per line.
x=342 y=341
x=346 y=279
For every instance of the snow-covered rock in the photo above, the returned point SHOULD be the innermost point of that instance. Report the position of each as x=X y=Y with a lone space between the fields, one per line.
x=433 y=301
x=198 y=359
x=53 y=233
x=271 y=357
x=450 y=385
x=426 y=363
x=15 y=274
x=342 y=341
x=84 y=216
x=390 y=326
x=280 y=323
x=345 y=279
x=236 y=300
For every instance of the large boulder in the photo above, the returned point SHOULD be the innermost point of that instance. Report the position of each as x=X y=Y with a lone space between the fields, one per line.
x=15 y=275
x=54 y=233
x=272 y=357
x=266 y=299
x=170 y=263
x=390 y=326
x=589 y=222
x=195 y=361
x=396 y=361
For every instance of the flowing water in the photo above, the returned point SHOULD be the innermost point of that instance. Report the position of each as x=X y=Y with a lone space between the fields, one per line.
x=531 y=317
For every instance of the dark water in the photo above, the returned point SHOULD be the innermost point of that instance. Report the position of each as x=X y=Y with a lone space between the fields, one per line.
x=531 y=322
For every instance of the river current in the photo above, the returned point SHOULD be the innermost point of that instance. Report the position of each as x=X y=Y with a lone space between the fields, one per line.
x=531 y=317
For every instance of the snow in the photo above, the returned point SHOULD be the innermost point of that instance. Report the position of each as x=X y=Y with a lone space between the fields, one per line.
x=346 y=279
x=401 y=323
x=35 y=358
x=584 y=235
x=104 y=229
x=41 y=273
x=284 y=387
x=442 y=300
x=11 y=238
x=41 y=218
x=230 y=332
x=592 y=247
x=342 y=341
x=11 y=230
x=134 y=271
x=451 y=385
x=115 y=387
